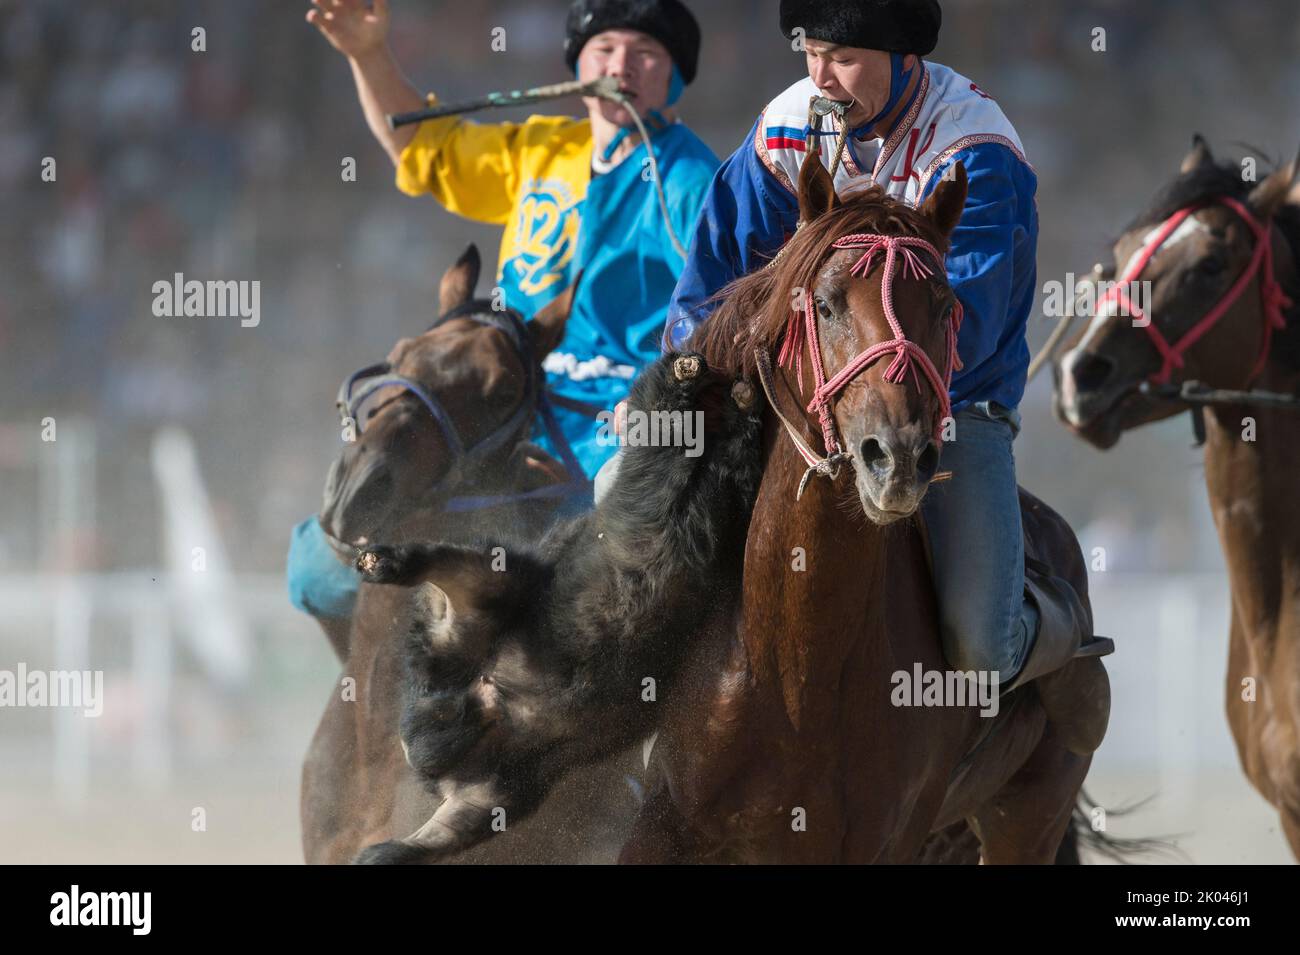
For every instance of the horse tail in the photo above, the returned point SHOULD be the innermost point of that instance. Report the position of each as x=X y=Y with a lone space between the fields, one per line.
x=1081 y=834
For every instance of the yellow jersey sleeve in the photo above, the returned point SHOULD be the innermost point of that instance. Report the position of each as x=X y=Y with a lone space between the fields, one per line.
x=471 y=168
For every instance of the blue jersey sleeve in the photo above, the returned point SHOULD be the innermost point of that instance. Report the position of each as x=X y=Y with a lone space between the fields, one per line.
x=991 y=261
x=746 y=217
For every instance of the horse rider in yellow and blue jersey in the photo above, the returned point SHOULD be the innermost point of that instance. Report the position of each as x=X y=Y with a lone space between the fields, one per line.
x=571 y=197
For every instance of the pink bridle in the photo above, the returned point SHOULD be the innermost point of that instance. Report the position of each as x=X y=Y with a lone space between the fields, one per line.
x=1275 y=300
x=907 y=354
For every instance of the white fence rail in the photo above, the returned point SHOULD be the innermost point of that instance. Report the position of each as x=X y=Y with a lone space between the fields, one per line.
x=141 y=628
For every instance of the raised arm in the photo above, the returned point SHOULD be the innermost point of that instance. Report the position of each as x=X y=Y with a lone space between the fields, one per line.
x=360 y=32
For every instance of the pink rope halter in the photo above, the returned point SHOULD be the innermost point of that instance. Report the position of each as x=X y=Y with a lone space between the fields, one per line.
x=908 y=355
x=1275 y=300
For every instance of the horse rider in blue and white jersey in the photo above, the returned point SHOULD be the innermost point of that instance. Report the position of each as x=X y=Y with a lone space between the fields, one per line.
x=909 y=121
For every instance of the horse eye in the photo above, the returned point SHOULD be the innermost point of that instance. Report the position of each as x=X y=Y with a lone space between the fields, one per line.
x=1211 y=265
x=823 y=309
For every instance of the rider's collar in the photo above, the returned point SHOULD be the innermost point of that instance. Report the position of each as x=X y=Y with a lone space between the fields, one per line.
x=655 y=121
x=898 y=80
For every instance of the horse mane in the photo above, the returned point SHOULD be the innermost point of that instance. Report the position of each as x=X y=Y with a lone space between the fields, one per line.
x=753 y=311
x=1212 y=181
x=1206 y=182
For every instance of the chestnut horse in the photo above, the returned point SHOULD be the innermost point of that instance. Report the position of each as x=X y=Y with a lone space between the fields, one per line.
x=443 y=455
x=782 y=744
x=1223 y=338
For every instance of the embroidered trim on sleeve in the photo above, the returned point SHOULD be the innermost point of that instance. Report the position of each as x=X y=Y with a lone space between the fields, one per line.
x=965 y=143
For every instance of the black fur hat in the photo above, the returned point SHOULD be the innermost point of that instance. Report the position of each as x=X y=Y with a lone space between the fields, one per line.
x=897 y=26
x=668 y=21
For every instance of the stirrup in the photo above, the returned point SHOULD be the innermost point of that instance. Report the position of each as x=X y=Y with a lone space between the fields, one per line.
x=1063 y=626
x=1096 y=646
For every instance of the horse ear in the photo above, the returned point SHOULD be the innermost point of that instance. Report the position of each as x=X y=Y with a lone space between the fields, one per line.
x=1275 y=190
x=1198 y=157
x=547 y=327
x=816 y=188
x=945 y=204
x=1293 y=195
x=457 y=286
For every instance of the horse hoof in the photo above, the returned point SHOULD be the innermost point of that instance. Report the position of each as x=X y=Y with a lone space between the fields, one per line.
x=742 y=392
x=687 y=367
x=389 y=853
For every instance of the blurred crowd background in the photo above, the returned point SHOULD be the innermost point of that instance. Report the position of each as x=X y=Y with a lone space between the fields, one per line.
x=226 y=164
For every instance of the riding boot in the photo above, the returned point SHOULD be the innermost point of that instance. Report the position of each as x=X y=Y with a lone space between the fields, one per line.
x=1063 y=624
x=1075 y=697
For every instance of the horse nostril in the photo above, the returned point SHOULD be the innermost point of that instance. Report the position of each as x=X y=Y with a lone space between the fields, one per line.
x=928 y=462
x=361 y=499
x=875 y=457
x=1092 y=371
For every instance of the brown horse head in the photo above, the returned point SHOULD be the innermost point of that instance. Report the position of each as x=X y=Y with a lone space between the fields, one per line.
x=1187 y=275
x=886 y=428
x=479 y=369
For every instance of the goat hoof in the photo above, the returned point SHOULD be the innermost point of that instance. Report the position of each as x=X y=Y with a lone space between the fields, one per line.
x=687 y=367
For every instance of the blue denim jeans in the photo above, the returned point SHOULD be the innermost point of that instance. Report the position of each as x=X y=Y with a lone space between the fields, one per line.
x=319 y=583
x=976 y=540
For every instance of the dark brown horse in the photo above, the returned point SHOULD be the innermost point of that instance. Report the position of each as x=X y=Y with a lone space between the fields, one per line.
x=398 y=467
x=441 y=455
x=1220 y=255
x=783 y=744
